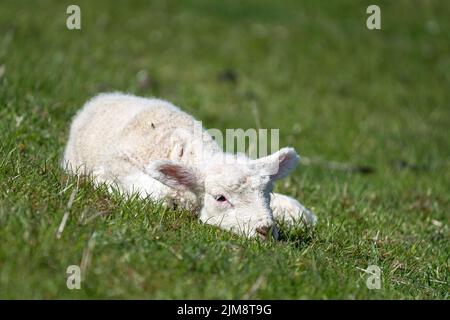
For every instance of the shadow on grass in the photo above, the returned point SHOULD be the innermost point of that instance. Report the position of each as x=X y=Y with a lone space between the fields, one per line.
x=107 y=201
x=298 y=236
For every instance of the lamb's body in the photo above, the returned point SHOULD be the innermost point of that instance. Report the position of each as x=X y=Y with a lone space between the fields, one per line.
x=112 y=125
x=114 y=137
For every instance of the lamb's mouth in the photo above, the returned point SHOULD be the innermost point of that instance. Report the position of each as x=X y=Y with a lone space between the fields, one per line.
x=266 y=233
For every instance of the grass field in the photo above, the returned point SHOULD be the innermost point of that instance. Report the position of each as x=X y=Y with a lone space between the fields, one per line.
x=368 y=110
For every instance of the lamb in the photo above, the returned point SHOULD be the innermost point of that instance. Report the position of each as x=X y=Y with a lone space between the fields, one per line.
x=149 y=147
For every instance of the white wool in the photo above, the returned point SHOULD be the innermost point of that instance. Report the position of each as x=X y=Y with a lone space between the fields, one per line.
x=151 y=147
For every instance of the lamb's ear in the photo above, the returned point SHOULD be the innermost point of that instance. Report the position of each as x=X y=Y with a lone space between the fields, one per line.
x=175 y=175
x=277 y=165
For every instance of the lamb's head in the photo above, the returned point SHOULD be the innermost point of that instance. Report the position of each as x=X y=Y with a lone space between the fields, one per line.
x=235 y=195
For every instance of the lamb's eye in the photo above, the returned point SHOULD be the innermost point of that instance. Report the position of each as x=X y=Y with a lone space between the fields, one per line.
x=220 y=198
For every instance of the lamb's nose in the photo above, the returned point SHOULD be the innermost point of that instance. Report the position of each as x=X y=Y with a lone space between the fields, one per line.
x=265 y=231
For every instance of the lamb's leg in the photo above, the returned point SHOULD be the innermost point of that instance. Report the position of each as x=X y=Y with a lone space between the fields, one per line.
x=133 y=180
x=135 y=183
x=145 y=186
x=288 y=210
x=148 y=187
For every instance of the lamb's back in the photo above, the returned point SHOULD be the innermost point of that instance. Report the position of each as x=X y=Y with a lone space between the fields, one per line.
x=111 y=124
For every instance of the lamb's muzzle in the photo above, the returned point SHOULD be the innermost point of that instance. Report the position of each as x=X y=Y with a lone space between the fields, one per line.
x=267 y=232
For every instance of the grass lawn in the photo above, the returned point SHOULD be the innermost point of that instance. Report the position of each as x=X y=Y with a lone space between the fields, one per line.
x=369 y=111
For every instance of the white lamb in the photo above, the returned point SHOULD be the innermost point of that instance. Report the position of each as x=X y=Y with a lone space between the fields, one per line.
x=149 y=147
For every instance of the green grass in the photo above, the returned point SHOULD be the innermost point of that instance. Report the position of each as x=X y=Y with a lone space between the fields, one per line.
x=338 y=93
